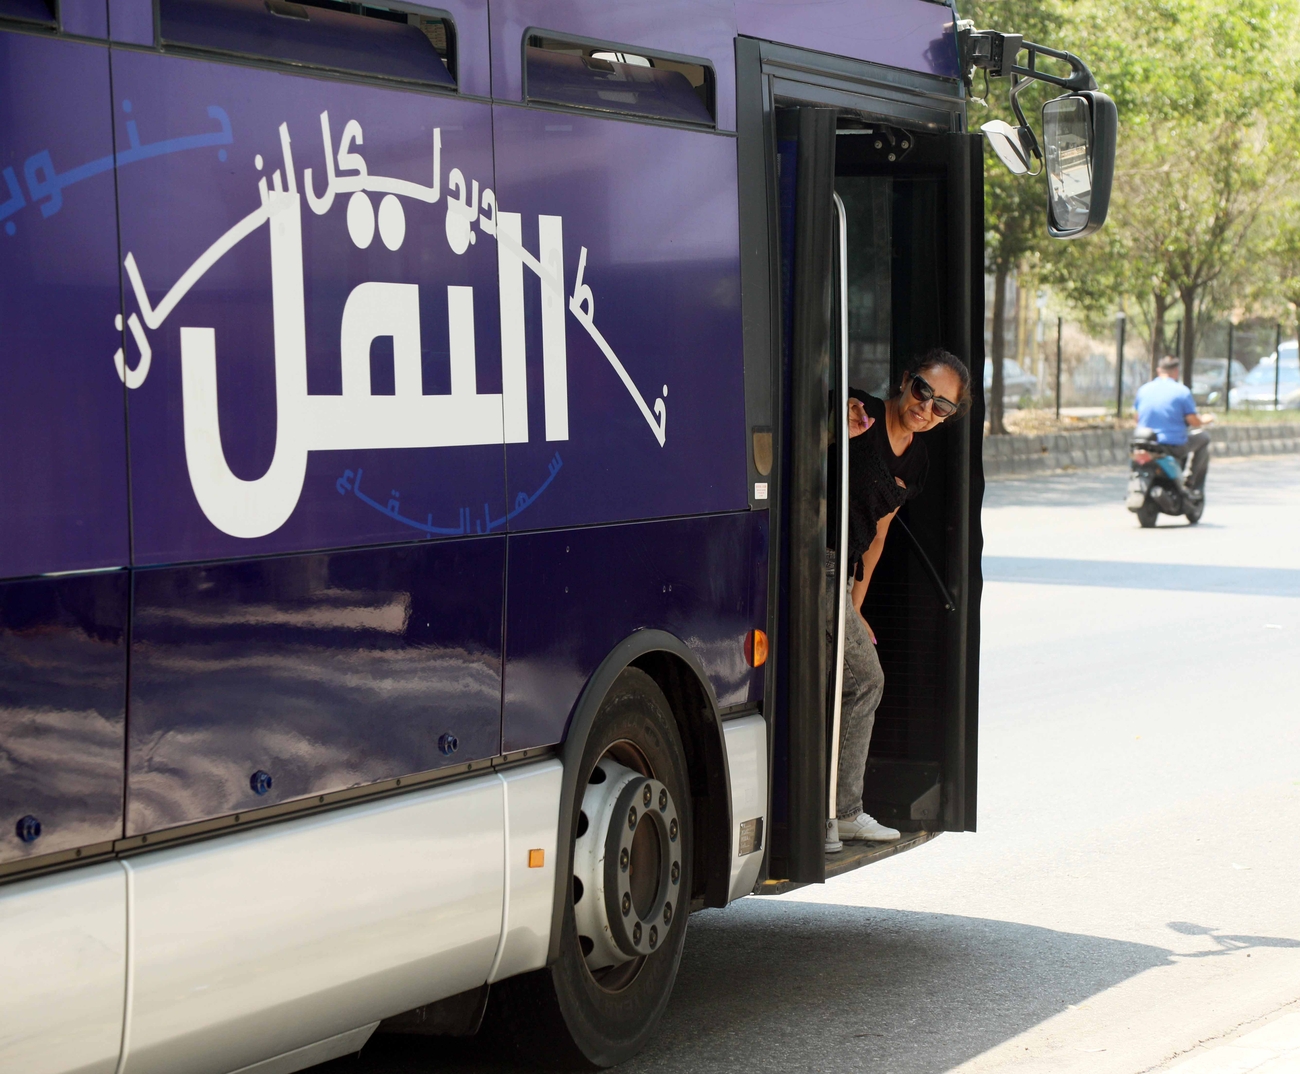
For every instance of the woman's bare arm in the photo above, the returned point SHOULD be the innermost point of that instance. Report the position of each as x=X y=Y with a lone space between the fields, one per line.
x=869 y=560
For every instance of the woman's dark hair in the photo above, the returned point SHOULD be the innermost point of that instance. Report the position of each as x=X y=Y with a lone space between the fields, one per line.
x=947 y=360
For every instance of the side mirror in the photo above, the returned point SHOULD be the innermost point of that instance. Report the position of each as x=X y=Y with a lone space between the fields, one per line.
x=1079 y=158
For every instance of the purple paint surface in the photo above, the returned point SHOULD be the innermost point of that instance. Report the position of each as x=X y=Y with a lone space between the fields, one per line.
x=63 y=497
x=473 y=59
x=655 y=210
x=576 y=594
x=174 y=206
x=912 y=34
x=325 y=671
x=131 y=21
x=703 y=29
x=87 y=18
x=62 y=710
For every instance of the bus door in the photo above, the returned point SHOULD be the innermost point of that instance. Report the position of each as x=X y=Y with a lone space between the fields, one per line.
x=874 y=232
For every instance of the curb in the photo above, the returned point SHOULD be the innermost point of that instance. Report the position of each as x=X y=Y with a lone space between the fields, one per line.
x=1109 y=447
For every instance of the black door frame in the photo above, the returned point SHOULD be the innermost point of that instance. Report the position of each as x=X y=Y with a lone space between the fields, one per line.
x=772 y=77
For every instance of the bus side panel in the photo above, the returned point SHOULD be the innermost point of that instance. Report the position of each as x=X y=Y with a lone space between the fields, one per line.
x=697 y=28
x=649 y=214
x=912 y=34
x=62 y=712
x=324 y=671
x=62 y=423
x=63 y=974
x=576 y=594
x=342 y=355
x=264 y=942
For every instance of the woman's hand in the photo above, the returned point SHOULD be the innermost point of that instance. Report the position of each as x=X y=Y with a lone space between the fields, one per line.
x=859 y=422
x=870 y=633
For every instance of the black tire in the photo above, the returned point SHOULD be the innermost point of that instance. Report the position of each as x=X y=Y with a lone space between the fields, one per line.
x=563 y=1016
x=1194 y=511
x=1147 y=514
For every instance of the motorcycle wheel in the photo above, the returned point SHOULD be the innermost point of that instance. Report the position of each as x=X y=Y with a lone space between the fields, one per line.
x=1194 y=512
x=1147 y=514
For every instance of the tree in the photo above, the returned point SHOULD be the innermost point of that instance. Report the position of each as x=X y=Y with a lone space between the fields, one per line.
x=1206 y=95
x=1282 y=256
x=1015 y=206
x=1014 y=209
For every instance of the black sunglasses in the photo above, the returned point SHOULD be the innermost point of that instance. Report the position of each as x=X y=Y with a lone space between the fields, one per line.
x=922 y=392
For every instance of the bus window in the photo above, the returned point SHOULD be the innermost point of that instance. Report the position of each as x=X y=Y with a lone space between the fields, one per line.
x=615 y=80
x=368 y=40
x=40 y=12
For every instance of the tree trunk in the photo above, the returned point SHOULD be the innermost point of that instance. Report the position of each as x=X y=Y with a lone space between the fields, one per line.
x=1162 y=303
x=996 y=391
x=1188 y=295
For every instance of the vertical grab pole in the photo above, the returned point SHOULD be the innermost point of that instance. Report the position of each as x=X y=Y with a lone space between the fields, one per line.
x=833 y=843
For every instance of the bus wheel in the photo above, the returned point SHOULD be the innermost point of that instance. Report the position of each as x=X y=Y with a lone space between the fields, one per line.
x=625 y=915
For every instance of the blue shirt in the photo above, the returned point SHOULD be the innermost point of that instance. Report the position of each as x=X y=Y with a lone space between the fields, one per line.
x=1163 y=405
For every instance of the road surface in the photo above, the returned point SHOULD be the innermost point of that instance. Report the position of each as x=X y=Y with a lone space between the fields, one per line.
x=1132 y=898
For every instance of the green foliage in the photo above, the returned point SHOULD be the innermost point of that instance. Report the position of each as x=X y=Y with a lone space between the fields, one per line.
x=1207 y=93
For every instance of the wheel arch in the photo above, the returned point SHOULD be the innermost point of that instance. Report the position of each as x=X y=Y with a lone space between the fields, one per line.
x=680 y=675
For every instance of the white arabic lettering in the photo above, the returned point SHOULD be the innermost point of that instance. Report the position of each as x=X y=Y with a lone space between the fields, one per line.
x=357 y=418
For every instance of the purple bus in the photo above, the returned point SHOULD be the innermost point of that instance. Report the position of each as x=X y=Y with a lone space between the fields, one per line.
x=417 y=475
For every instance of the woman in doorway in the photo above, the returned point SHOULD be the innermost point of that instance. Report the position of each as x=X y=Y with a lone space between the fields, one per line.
x=887 y=467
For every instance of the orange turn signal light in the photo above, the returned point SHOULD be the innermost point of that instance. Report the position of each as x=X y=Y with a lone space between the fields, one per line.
x=756 y=648
x=536 y=859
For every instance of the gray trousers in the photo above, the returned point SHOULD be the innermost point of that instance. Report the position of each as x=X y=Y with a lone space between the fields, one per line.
x=1198 y=445
x=864 y=683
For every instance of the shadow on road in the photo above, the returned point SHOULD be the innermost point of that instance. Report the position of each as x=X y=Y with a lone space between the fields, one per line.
x=1119 y=574
x=769 y=985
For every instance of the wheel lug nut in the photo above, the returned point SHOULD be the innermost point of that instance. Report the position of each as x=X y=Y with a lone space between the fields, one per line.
x=627 y=905
x=623 y=859
x=668 y=914
x=654 y=936
x=663 y=801
x=631 y=817
x=636 y=932
x=645 y=796
x=672 y=829
x=677 y=872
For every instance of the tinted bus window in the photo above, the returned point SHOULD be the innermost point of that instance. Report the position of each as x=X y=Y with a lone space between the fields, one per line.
x=340 y=37
x=38 y=11
x=613 y=80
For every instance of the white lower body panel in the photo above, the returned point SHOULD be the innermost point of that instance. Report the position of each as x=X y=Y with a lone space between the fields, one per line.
x=63 y=972
x=266 y=942
x=746 y=740
x=271 y=950
x=532 y=823
x=321 y=1052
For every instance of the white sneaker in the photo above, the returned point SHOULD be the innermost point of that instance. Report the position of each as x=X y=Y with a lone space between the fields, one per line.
x=865 y=828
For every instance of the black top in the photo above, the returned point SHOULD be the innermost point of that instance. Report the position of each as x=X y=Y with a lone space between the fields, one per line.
x=873 y=466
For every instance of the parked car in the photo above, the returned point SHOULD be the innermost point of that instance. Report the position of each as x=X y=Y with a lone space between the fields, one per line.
x=1016 y=383
x=1207 y=378
x=1256 y=388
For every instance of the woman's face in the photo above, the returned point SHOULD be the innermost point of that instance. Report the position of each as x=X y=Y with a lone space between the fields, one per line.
x=918 y=415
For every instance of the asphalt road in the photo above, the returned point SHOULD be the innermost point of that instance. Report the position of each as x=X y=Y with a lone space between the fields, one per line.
x=1133 y=892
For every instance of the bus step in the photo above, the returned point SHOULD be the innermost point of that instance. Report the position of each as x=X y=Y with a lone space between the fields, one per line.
x=853 y=856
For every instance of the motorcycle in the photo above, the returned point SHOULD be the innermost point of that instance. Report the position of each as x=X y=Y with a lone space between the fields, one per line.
x=1158 y=482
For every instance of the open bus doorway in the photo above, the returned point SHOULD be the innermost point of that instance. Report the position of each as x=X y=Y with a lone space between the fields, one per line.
x=908 y=205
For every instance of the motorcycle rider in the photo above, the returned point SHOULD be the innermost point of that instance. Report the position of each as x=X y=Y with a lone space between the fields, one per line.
x=1166 y=406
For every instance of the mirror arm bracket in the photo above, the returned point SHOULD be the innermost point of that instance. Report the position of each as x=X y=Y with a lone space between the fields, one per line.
x=997 y=52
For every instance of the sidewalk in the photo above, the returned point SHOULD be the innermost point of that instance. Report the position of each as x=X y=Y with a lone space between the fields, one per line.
x=1272 y=1049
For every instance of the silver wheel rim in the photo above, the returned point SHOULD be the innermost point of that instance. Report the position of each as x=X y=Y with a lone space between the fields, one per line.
x=627 y=868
